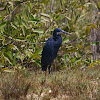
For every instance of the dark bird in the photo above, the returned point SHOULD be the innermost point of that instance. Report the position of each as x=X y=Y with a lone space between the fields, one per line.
x=51 y=48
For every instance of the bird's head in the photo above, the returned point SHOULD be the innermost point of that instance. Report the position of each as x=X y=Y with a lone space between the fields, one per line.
x=57 y=31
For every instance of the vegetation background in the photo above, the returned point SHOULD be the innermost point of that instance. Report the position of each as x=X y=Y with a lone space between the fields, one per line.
x=25 y=25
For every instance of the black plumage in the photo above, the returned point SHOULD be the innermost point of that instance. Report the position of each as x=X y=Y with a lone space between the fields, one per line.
x=51 y=48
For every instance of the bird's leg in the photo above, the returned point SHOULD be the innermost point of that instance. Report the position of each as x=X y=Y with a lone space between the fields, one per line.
x=45 y=75
x=49 y=68
x=54 y=65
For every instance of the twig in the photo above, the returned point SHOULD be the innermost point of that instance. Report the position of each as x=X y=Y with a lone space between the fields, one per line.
x=14 y=10
x=76 y=39
x=1 y=9
x=10 y=13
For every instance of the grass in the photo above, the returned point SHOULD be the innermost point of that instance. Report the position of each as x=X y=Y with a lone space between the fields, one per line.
x=73 y=84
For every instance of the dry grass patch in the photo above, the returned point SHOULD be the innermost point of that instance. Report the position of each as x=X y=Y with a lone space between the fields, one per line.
x=62 y=85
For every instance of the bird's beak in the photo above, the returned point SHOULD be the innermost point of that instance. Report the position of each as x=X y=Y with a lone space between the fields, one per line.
x=62 y=31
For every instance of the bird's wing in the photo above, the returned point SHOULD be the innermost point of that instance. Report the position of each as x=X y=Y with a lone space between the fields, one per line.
x=47 y=53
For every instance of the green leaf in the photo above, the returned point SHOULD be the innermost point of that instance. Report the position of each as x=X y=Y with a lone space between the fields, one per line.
x=8 y=9
x=3 y=38
x=19 y=18
x=74 y=2
x=9 y=70
x=61 y=3
x=29 y=36
x=44 y=20
x=73 y=60
x=38 y=31
x=86 y=4
x=11 y=3
x=78 y=59
x=8 y=58
x=35 y=55
x=72 y=50
x=23 y=29
x=12 y=54
x=91 y=65
x=21 y=57
x=34 y=19
x=25 y=13
x=24 y=24
x=20 y=38
x=1 y=18
x=94 y=43
x=28 y=53
x=99 y=4
x=87 y=29
x=45 y=15
x=98 y=62
x=99 y=13
x=14 y=58
x=64 y=67
x=14 y=47
x=37 y=62
x=2 y=59
x=3 y=69
x=76 y=18
x=68 y=18
x=14 y=26
x=2 y=24
x=82 y=17
x=1 y=65
x=93 y=26
x=65 y=40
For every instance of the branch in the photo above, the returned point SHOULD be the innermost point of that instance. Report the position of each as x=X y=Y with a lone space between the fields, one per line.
x=14 y=10
x=10 y=13
x=76 y=39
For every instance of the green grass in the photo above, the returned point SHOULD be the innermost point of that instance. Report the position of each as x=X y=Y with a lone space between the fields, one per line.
x=63 y=85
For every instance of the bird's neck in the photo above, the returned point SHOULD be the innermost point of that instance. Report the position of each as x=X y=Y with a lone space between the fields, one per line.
x=55 y=34
x=57 y=43
x=58 y=39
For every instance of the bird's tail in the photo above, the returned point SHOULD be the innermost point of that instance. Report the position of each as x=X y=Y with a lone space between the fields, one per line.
x=44 y=68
